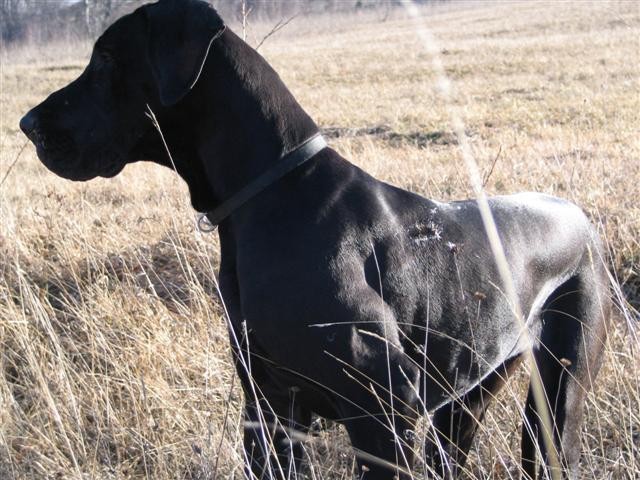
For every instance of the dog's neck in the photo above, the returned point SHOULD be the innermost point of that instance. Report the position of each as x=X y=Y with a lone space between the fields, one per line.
x=244 y=119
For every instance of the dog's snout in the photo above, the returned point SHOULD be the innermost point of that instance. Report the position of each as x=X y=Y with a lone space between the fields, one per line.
x=29 y=123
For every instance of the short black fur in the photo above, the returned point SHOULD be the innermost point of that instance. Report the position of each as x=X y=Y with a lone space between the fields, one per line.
x=362 y=302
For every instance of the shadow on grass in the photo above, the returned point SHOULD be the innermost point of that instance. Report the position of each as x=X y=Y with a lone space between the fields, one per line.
x=56 y=314
x=393 y=138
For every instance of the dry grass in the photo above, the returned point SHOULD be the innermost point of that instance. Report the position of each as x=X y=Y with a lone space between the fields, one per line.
x=114 y=360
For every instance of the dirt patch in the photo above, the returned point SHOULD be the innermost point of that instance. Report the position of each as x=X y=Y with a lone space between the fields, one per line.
x=61 y=68
x=393 y=138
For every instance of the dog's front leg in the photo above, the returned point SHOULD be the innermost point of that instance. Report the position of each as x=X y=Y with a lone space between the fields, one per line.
x=274 y=430
x=381 y=408
x=275 y=423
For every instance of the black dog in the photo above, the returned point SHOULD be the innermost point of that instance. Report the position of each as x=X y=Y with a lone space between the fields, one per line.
x=347 y=297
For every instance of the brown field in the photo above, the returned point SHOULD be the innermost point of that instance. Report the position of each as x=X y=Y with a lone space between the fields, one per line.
x=113 y=352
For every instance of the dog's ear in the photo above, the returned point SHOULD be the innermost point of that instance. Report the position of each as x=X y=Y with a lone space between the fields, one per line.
x=180 y=34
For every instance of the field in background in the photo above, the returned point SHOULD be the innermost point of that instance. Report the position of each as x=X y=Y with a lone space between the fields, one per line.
x=113 y=352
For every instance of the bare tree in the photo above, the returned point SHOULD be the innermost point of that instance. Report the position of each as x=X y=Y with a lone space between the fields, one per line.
x=40 y=20
x=97 y=14
x=11 y=25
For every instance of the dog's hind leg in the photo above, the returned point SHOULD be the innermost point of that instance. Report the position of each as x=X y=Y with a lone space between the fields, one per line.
x=568 y=356
x=455 y=423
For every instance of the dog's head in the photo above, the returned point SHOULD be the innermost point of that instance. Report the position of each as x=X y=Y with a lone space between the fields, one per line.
x=153 y=57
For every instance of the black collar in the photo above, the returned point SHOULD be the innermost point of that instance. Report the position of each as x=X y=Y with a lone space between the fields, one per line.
x=285 y=164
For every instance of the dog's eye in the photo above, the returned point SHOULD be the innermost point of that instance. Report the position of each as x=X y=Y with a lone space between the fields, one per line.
x=101 y=68
x=106 y=56
x=104 y=67
x=103 y=52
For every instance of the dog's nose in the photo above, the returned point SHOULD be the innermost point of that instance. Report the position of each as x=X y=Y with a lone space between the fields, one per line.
x=28 y=123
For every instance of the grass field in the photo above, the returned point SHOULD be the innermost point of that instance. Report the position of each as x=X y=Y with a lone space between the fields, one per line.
x=114 y=360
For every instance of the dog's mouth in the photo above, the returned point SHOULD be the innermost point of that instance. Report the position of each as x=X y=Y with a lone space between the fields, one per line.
x=63 y=169
x=65 y=161
x=112 y=170
x=58 y=151
x=57 y=156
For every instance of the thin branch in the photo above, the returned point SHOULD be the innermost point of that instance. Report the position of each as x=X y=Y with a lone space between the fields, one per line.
x=278 y=26
x=245 y=15
x=15 y=160
x=495 y=160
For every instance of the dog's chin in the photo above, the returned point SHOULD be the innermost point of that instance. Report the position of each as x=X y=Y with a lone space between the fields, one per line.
x=112 y=170
x=66 y=170
x=79 y=171
x=71 y=173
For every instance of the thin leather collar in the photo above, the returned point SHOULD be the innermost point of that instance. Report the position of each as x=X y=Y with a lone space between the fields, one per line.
x=284 y=165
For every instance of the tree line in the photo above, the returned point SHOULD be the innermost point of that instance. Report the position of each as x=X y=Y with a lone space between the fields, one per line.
x=41 y=21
